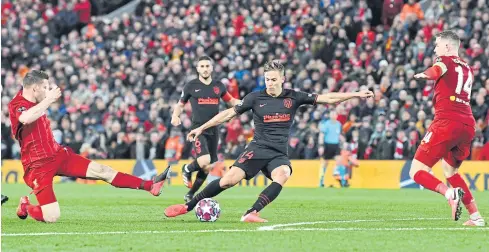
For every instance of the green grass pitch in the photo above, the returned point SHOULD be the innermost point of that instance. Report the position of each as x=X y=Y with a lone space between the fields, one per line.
x=102 y=218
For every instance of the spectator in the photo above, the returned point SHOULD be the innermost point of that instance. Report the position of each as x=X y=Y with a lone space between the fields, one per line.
x=402 y=146
x=411 y=8
x=387 y=146
x=390 y=10
x=83 y=10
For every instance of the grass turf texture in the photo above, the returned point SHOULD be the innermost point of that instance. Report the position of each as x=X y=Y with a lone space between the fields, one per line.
x=375 y=220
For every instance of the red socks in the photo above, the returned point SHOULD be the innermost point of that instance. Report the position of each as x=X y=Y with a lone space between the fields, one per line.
x=124 y=180
x=430 y=182
x=35 y=212
x=457 y=181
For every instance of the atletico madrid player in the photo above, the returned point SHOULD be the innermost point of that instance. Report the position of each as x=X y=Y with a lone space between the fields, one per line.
x=450 y=135
x=204 y=94
x=43 y=158
x=273 y=114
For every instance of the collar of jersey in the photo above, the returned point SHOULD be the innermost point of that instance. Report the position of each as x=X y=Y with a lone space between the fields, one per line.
x=281 y=94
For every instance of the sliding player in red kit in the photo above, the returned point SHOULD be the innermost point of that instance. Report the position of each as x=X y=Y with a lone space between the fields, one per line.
x=43 y=158
x=450 y=135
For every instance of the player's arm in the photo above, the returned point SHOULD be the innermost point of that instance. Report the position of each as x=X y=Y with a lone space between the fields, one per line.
x=233 y=102
x=178 y=108
x=226 y=115
x=226 y=97
x=32 y=114
x=434 y=72
x=222 y=117
x=332 y=98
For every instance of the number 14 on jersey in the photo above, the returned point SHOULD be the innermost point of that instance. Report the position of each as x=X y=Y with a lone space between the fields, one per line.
x=467 y=86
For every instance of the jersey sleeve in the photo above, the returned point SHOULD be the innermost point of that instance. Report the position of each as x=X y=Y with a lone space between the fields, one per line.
x=245 y=104
x=304 y=98
x=185 y=94
x=225 y=96
x=15 y=110
x=442 y=63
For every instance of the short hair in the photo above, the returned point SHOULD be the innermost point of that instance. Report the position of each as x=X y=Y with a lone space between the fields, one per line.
x=34 y=77
x=205 y=57
x=274 y=65
x=449 y=35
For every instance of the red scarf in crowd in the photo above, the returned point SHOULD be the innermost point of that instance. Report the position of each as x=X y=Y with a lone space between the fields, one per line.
x=399 y=149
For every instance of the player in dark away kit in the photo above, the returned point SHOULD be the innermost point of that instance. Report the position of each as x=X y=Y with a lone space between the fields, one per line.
x=273 y=113
x=204 y=95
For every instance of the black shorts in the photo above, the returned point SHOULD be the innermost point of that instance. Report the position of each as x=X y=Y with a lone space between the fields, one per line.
x=207 y=145
x=255 y=159
x=331 y=150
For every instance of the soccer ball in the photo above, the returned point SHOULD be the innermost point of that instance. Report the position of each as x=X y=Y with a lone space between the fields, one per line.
x=207 y=210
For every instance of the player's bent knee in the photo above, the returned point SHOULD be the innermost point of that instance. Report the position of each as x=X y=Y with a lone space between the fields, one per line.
x=231 y=178
x=204 y=162
x=417 y=166
x=448 y=170
x=51 y=212
x=281 y=174
x=100 y=171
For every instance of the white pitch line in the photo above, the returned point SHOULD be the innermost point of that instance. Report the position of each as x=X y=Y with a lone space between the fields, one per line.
x=385 y=229
x=268 y=228
x=251 y=230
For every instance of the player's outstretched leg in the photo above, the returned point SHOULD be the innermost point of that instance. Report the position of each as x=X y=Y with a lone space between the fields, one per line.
x=280 y=175
x=201 y=164
x=419 y=173
x=454 y=178
x=230 y=179
x=199 y=180
x=47 y=210
x=124 y=180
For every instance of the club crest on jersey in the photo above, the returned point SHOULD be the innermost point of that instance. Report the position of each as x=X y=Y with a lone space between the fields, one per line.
x=287 y=103
x=21 y=109
x=216 y=90
x=438 y=59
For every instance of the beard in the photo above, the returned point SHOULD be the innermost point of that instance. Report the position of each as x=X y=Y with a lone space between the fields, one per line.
x=205 y=77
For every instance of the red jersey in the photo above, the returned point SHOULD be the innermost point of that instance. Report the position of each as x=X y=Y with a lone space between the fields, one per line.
x=37 y=144
x=452 y=90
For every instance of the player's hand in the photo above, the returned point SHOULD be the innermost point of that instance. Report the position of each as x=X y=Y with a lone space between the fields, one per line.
x=53 y=94
x=192 y=135
x=421 y=76
x=175 y=120
x=366 y=94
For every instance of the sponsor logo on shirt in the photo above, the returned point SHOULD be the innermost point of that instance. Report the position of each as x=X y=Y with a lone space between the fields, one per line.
x=276 y=118
x=208 y=101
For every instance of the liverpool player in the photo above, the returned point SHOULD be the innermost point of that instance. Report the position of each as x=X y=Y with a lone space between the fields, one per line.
x=204 y=95
x=451 y=132
x=42 y=158
x=273 y=113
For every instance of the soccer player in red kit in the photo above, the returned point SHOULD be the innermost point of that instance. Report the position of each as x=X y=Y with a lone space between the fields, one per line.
x=450 y=135
x=43 y=158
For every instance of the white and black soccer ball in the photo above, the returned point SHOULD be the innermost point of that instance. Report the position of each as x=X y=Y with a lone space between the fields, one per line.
x=207 y=210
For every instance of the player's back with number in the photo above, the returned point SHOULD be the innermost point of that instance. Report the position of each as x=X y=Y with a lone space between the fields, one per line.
x=452 y=90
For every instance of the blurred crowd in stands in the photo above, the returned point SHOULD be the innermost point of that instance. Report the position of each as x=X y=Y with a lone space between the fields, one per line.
x=121 y=76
